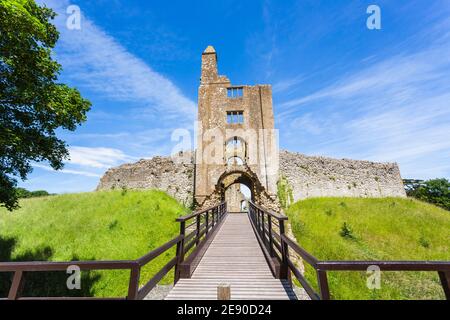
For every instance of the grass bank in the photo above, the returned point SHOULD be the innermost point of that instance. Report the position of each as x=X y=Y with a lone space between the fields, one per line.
x=376 y=229
x=116 y=225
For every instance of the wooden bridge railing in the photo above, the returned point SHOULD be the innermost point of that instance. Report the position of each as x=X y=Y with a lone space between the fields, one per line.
x=270 y=231
x=269 y=227
x=198 y=229
x=206 y=223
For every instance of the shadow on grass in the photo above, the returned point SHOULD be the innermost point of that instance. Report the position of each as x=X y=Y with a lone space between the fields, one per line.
x=42 y=284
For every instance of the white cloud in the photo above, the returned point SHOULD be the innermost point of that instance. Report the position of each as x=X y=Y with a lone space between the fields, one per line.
x=101 y=158
x=398 y=109
x=93 y=59
x=91 y=160
x=287 y=84
x=68 y=171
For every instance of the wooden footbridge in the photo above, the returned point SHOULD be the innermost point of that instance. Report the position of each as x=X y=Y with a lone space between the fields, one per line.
x=249 y=253
x=234 y=258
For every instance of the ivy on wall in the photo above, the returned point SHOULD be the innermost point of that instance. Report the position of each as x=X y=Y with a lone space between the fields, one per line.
x=285 y=193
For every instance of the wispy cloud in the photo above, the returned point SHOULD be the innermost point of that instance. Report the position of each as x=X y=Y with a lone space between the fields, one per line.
x=96 y=61
x=397 y=109
x=69 y=171
x=100 y=158
x=287 y=84
x=89 y=162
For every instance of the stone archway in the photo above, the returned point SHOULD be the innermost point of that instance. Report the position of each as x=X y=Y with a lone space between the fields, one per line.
x=241 y=175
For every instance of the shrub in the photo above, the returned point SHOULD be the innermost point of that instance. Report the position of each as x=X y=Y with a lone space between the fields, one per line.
x=424 y=242
x=435 y=191
x=346 y=232
x=25 y=194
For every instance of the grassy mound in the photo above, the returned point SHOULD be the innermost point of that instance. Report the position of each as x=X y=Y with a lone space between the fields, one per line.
x=116 y=225
x=374 y=229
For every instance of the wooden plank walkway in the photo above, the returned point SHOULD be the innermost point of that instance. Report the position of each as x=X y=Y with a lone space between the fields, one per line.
x=235 y=258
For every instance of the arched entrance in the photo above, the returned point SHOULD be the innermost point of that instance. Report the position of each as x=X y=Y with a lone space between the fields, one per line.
x=237 y=196
x=236 y=188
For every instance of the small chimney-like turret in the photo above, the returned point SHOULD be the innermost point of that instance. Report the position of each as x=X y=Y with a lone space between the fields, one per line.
x=209 y=66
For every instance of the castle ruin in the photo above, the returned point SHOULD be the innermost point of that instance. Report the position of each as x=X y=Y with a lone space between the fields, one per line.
x=237 y=145
x=237 y=142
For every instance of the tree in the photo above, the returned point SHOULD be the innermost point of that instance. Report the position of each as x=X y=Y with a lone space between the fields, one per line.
x=32 y=102
x=24 y=193
x=435 y=191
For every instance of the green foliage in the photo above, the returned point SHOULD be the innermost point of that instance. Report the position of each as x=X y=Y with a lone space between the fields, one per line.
x=435 y=191
x=89 y=226
x=386 y=229
x=424 y=242
x=24 y=193
x=32 y=103
x=285 y=193
x=347 y=232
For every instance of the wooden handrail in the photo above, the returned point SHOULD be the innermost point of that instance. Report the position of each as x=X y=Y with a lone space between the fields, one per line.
x=384 y=265
x=199 y=237
x=62 y=266
x=157 y=252
x=270 y=213
x=300 y=251
x=195 y=214
x=263 y=229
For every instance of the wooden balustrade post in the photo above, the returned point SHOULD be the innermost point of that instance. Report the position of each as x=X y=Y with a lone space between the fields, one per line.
x=258 y=221
x=198 y=230
x=270 y=236
x=284 y=268
x=223 y=292
x=323 y=285
x=263 y=228
x=133 y=287
x=180 y=251
x=213 y=219
x=217 y=215
x=444 y=276
x=207 y=221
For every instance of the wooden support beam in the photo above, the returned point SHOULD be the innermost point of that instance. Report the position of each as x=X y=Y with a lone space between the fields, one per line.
x=445 y=282
x=16 y=286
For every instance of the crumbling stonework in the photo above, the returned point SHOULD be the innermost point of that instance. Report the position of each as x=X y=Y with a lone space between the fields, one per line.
x=307 y=176
x=237 y=145
x=234 y=123
x=326 y=177
x=161 y=173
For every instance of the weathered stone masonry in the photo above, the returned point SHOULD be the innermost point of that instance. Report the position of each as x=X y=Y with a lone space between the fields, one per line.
x=160 y=173
x=312 y=177
x=308 y=176
x=210 y=183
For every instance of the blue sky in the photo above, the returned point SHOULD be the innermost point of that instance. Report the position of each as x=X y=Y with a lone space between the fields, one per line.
x=340 y=89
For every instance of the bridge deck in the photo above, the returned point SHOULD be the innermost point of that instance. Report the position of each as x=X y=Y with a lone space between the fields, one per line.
x=235 y=258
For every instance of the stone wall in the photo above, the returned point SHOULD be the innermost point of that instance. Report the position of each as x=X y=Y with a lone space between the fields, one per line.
x=161 y=173
x=306 y=176
x=325 y=177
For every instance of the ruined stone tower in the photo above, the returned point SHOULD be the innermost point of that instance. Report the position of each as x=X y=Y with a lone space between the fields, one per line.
x=237 y=145
x=237 y=142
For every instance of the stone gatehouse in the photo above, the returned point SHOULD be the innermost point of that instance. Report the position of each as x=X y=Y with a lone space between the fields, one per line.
x=237 y=146
x=236 y=141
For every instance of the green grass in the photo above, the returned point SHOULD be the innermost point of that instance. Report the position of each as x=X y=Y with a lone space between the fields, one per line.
x=116 y=225
x=376 y=229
